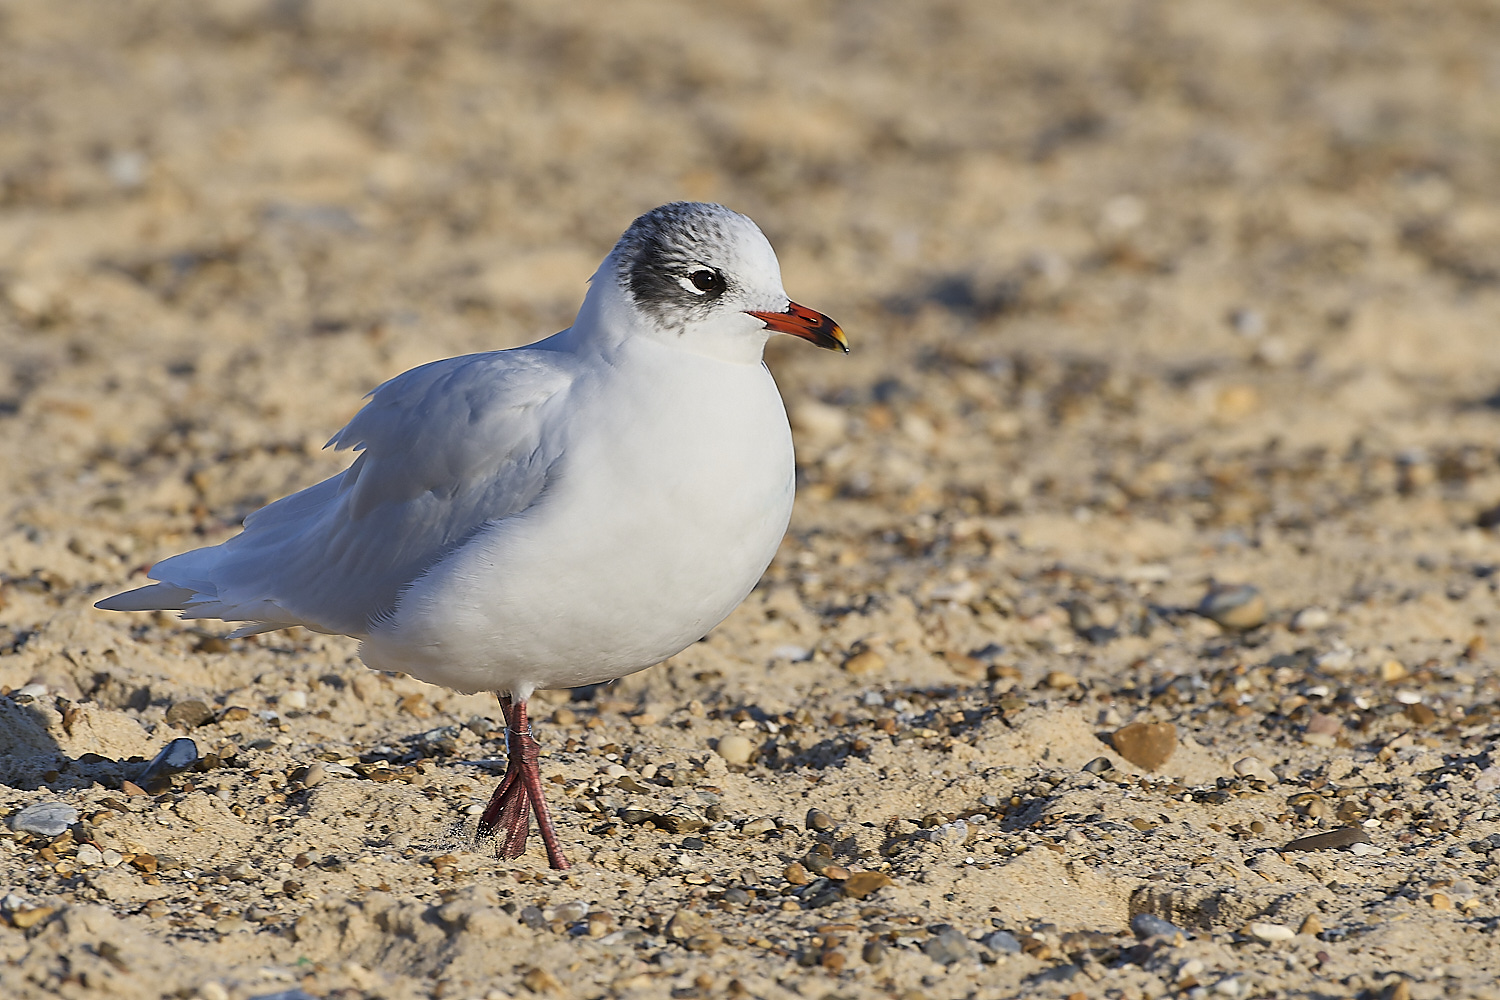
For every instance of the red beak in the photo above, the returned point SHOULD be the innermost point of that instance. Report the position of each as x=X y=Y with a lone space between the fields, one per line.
x=809 y=324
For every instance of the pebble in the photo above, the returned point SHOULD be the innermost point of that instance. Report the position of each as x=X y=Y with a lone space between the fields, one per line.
x=212 y=990
x=1059 y=681
x=1146 y=744
x=1099 y=765
x=1237 y=606
x=1439 y=901
x=174 y=758
x=758 y=826
x=315 y=775
x=817 y=819
x=1254 y=767
x=1310 y=619
x=1149 y=925
x=189 y=714
x=46 y=819
x=1392 y=671
x=1001 y=943
x=569 y=913
x=89 y=855
x=947 y=946
x=1311 y=925
x=736 y=750
x=294 y=700
x=685 y=924
x=1271 y=932
x=796 y=874
x=1346 y=836
x=874 y=951
x=866 y=661
x=861 y=884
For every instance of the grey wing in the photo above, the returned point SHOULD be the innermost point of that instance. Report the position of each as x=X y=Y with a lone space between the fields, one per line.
x=444 y=449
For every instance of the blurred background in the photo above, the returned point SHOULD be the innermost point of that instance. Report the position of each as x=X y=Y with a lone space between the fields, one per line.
x=1144 y=278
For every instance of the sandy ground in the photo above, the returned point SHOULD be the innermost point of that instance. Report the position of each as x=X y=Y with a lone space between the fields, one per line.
x=1145 y=297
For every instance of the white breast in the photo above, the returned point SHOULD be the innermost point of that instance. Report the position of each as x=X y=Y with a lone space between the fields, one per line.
x=672 y=496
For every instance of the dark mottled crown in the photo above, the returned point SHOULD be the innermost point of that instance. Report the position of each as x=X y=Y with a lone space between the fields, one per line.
x=661 y=246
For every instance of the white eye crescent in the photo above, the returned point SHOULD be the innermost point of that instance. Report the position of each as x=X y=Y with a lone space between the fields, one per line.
x=703 y=281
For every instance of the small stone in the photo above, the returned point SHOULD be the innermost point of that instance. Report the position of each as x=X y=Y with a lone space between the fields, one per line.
x=1310 y=619
x=1271 y=932
x=22 y=919
x=569 y=913
x=1399 y=990
x=1392 y=671
x=1099 y=765
x=819 y=820
x=947 y=946
x=866 y=661
x=874 y=951
x=189 y=714
x=315 y=775
x=89 y=856
x=234 y=713
x=45 y=819
x=1229 y=986
x=1255 y=768
x=540 y=981
x=1311 y=925
x=1057 y=680
x=686 y=924
x=1146 y=744
x=861 y=884
x=212 y=990
x=1001 y=943
x=736 y=750
x=1420 y=714
x=796 y=874
x=294 y=700
x=1345 y=836
x=174 y=758
x=231 y=925
x=1234 y=606
x=1149 y=925
x=759 y=825
x=1441 y=901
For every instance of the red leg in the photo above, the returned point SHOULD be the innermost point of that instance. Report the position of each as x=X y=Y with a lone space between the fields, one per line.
x=520 y=792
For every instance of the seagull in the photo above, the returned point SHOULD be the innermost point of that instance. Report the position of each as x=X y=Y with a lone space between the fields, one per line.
x=549 y=516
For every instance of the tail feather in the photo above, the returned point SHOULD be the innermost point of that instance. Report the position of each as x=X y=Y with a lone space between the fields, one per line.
x=156 y=597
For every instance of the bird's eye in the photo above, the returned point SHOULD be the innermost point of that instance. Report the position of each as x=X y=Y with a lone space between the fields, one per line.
x=705 y=280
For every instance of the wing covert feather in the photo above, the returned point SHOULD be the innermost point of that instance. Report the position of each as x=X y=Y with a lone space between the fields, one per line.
x=444 y=449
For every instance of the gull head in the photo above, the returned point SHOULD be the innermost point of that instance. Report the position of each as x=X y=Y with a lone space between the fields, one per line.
x=707 y=278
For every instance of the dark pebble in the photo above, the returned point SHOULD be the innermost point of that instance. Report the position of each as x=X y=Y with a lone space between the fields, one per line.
x=817 y=819
x=174 y=758
x=737 y=896
x=189 y=714
x=532 y=917
x=1344 y=836
x=1098 y=765
x=1149 y=925
x=873 y=952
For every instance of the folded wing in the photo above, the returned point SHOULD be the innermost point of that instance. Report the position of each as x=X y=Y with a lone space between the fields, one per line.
x=443 y=450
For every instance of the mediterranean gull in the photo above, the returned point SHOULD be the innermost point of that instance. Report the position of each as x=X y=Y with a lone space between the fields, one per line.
x=550 y=516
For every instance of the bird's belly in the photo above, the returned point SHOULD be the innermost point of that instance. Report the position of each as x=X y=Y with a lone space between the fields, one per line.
x=636 y=555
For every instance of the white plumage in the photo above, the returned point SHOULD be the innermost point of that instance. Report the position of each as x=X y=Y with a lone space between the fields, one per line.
x=558 y=514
